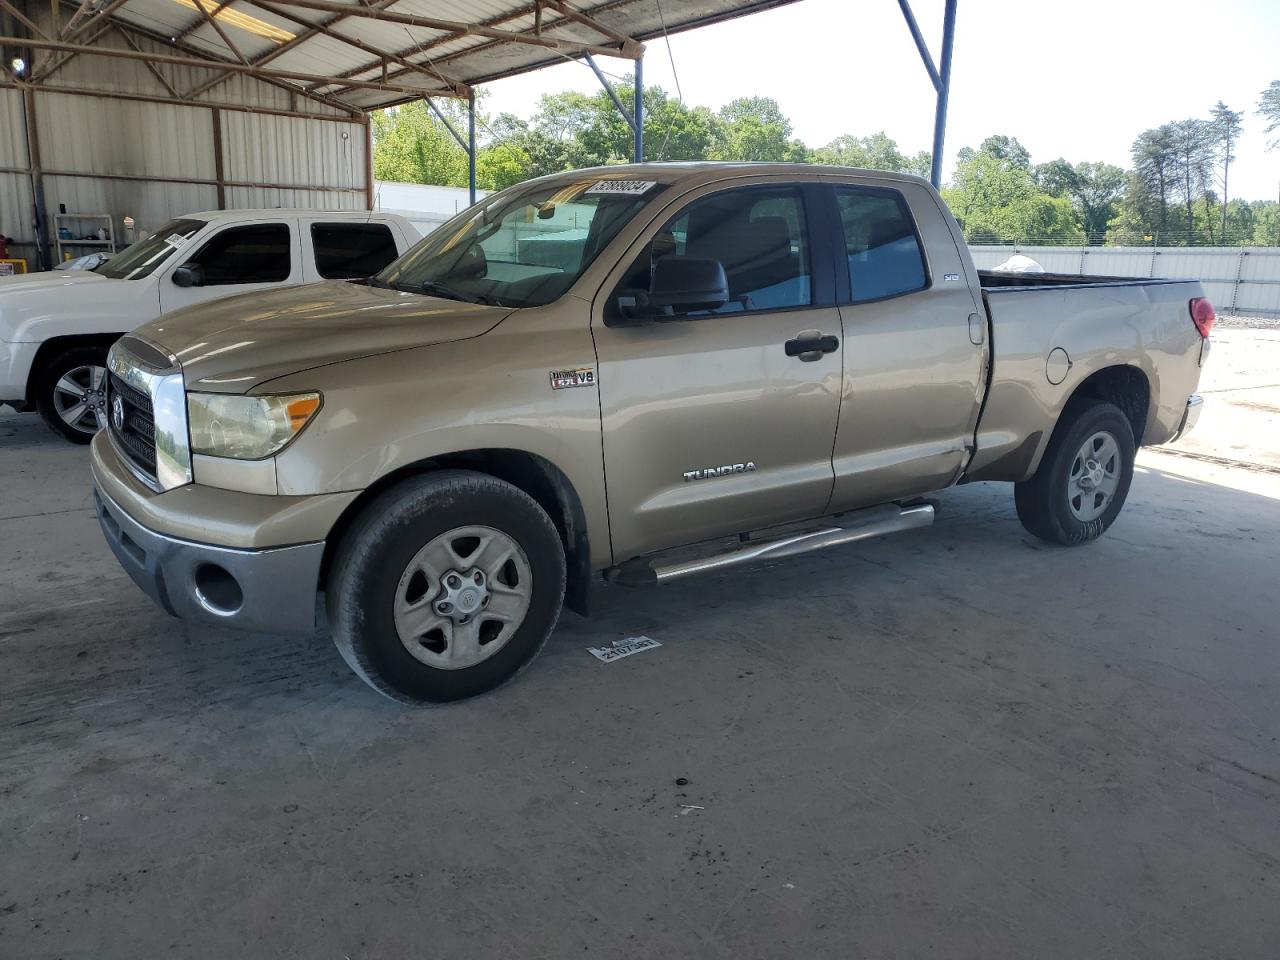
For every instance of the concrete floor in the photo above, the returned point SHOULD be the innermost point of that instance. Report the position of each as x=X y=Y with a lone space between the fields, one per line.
x=956 y=743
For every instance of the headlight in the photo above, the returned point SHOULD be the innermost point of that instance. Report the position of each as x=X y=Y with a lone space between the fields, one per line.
x=247 y=428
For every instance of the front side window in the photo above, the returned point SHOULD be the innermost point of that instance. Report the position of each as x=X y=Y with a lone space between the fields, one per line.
x=254 y=254
x=881 y=246
x=142 y=258
x=351 y=251
x=757 y=234
x=523 y=247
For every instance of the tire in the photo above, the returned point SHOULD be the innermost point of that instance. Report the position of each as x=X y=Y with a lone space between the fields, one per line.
x=1073 y=499
x=385 y=587
x=81 y=368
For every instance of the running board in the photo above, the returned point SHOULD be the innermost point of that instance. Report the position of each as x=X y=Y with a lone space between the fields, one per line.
x=861 y=525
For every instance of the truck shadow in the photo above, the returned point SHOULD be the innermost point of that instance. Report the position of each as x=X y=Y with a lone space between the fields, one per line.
x=116 y=661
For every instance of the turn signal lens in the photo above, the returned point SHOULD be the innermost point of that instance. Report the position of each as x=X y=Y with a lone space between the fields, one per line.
x=302 y=410
x=1202 y=315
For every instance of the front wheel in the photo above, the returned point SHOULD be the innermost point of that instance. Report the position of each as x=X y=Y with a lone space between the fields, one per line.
x=445 y=587
x=1084 y=478
x=71 y=392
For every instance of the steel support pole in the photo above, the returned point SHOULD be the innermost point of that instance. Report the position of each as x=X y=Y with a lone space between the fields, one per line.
x=638 y=112
x=944 y=92
x=471 y=145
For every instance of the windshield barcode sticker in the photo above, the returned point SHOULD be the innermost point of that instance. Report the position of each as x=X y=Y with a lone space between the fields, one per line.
x=174 y=240
x=623 y=648
x=621 y=186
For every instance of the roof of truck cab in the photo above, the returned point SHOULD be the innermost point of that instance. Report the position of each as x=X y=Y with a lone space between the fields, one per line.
x=706 y=170
x=264 y=212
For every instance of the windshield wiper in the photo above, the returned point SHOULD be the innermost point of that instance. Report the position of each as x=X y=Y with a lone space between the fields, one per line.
x=436 y=289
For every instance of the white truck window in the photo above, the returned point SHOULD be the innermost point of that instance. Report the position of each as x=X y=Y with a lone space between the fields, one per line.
x=351 y=251
x=254 y=254
x=881 y=246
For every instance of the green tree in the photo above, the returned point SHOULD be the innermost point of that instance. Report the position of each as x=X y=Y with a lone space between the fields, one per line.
x=876 y=152
x=1093 y=189
x=1225 y=123
x=1145 y=207
x=1269 y=110
x=1193 y=164
x=1008 y=149
x=411 y=146
x=754 y=128
x=500 y=166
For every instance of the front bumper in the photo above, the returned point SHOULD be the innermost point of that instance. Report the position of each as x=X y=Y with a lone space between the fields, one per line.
x=1195 y=403
x=272 y=590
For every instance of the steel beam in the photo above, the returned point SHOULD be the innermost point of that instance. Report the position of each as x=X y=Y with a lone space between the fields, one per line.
x=171 y=101
x=637 y=124
x=447 y=124
x=921 y=46
x=246 y=68
x=571 y=47
x=471 y=148
x=944 y=92
x=613 y=94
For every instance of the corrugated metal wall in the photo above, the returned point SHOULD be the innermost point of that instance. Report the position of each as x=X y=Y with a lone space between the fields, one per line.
x=15 y=185
x=1239 y=280
x=155 y=161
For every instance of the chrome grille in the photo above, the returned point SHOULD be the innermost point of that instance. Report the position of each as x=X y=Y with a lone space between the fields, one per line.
x=135 y=434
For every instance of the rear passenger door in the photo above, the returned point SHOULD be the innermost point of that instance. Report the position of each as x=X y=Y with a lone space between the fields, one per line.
x=712 y=424
x=238 y=259
x=347 y=249
x=913 y=372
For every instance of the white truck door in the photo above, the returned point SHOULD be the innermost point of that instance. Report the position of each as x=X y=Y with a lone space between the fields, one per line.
x=238 y=258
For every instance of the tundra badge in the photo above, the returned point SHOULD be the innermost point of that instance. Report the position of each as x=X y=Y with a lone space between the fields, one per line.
x=706 y=473
x=581 y=377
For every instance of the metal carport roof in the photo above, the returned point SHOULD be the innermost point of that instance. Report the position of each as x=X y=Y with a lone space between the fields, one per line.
x=358 y=56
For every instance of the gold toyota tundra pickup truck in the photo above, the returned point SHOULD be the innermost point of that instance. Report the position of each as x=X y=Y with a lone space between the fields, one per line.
x=587 y=370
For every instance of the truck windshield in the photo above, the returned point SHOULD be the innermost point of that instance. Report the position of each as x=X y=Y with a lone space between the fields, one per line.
x=523 y=247
x=142 y=258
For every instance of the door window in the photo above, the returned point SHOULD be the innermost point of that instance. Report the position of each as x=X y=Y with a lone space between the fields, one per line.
x=351 y=251
x=758 y=235
x=881 y=246
x=254 y=254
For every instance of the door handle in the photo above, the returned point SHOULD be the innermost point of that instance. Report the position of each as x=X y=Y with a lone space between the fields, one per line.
x=810 y=345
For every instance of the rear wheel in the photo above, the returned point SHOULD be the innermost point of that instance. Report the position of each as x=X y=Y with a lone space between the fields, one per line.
x=445 y=587
x=1084 y=478
x=71 y=392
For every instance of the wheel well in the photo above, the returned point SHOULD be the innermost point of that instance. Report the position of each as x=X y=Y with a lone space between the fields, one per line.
x=1125 y=386
x=56 y=345
x=536 y=476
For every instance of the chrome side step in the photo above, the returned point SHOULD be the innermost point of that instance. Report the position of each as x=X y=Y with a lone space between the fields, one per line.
x=861 y=525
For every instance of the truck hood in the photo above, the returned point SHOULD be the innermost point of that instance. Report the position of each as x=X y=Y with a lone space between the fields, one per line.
x=233 y=345
x=32 y=299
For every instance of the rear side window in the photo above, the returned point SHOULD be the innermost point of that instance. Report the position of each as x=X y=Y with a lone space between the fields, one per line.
x=881 y=246
x=351 y=251
x=256 y=254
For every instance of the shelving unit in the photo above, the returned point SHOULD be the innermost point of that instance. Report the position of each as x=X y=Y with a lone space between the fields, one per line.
x=74 y=223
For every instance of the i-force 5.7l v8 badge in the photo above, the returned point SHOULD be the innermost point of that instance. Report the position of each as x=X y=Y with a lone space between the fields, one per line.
x=580 y=377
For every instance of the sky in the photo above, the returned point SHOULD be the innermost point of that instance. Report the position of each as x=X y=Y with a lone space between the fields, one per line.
x=1078 y=79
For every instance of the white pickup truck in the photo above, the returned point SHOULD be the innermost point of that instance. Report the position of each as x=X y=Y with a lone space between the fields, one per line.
x=56 y=327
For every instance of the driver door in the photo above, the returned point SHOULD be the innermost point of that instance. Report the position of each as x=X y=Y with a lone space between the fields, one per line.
x=712 y=425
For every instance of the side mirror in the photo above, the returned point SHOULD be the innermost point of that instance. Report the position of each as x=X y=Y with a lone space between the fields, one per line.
x=189 y=275
x=681 y=284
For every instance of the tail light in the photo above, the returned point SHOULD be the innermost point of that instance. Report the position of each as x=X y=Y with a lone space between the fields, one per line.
x=1202 y=315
